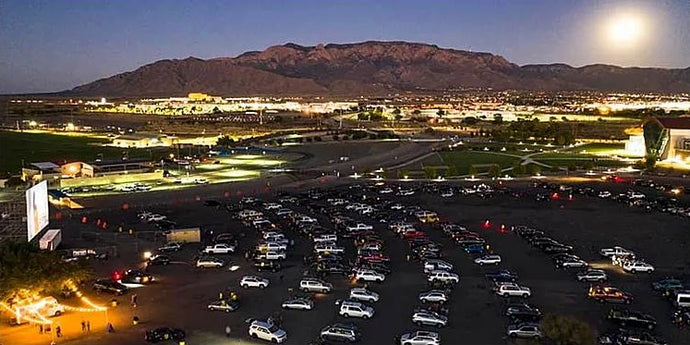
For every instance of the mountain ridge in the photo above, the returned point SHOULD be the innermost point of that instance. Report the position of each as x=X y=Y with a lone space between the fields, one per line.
x=372 y=67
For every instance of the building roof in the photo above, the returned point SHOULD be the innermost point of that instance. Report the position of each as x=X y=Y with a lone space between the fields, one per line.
x=674 y=122
x=121 y=162
x=45 y=165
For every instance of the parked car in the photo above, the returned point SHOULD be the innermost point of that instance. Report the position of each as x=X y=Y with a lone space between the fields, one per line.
x=512 y=290
x=108 y=285
x=170 y=247
x=355 y=309
x=254 y=281
x=502 y=275
x=299 y=303
x=226 y=306
x=524 y=330
x=210 y=262
x=429 y=318
x=592 y=275
x=159 y=260
x=631 y=318
x=523 y=312
x=434 y=296
x=341 y=333
x=369 y=276
x=609 y=294
x=490 y=259
x=363 y=294
x=315 y=285
x=637 y=266
x=442 y=276
x=667 y=285
x=219 y=248
x=420 y=338
x=267 y=331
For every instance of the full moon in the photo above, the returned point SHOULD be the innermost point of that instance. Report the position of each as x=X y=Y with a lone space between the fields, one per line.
x=625 y=30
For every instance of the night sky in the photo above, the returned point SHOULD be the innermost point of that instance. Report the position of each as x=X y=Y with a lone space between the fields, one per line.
x=55 y=45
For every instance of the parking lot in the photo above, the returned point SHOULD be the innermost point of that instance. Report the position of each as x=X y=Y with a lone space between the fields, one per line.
x=182 y=292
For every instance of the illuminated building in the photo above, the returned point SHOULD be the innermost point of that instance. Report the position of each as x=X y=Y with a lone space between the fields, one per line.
x=668 y=137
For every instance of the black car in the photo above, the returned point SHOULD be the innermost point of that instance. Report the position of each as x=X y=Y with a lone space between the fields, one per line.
x=164 y=333
x=159 y=260
x=631 y=318
x=136 y=277
x=380 y=267
x=331 y=268
x=557 y=249
x=108 y=285
x=523 y=312
x=267 y=265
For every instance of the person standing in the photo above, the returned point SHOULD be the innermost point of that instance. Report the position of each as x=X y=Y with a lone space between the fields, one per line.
x=58 y=331
x=134 y=300
x=88 y=326
x=40 y=328
x=227 y=331
x=83 y=326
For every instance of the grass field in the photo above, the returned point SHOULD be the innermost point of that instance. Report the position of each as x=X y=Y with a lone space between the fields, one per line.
x=464 y=159
x=16 y=147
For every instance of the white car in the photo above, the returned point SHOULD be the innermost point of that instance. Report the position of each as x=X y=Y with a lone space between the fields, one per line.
x=284 y=212
x=397 y=207
x=266 y=246
x=355 y=309
x=364 y=295
x=220 y=248
x=200 y=181
x=267 y=331
x=592 y=275
x=490 y=259
x=605 y=194
x=386 y=191
x=325 y=238
x=443 y=276
x=315 y=285
x=437 y=265
x=637 y=266
x=224 y=306
x=609 y=252
x=210 y=263
x=512 y=289
x=427 y=317
x=420 y=338
x=298 y=303
x=434 y=296
x=524 y=330
x=254 y=281
x=359 y=227
x=369 y=276
x=325 y=247
x=272 y=206
x=447 y=194
x=272 y=255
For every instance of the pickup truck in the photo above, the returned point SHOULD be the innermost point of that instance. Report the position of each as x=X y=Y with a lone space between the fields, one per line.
x=220 y=248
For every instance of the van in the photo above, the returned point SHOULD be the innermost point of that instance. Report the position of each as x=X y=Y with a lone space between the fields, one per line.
x=681 y=299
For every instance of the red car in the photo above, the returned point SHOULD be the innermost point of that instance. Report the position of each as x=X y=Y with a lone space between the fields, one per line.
x=414 y=234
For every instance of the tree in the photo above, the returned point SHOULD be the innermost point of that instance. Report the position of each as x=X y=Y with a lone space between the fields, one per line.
x=519 y=169
x=26 y=267
x=440 y=113
x=567 y=330
x=430 y=172
x=534 y=169
x=396 y=111
x=452 y=171
x=225 y=141
x=416 y=112
x=498 y=119
x=472 y=170
x=494 y=170
x=470 y=120
x=588 y=165
x=650 y=162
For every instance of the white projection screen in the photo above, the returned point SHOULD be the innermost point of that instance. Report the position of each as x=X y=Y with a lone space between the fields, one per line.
x=37 y=216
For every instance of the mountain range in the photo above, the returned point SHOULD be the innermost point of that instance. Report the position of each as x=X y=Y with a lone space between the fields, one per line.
x=370 y=68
